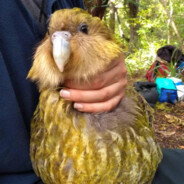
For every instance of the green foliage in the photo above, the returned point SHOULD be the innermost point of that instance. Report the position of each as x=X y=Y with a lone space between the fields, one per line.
x=163 y=107
x=154 y=30
x=172 y=70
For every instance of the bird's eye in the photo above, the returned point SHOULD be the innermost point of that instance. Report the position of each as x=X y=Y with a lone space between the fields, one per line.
x=83 y=28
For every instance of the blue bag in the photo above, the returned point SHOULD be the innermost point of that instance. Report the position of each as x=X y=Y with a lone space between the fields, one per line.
x=167 y=90
x=168 y=95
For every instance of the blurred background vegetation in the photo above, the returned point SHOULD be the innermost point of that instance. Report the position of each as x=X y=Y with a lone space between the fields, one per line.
x=142 y=26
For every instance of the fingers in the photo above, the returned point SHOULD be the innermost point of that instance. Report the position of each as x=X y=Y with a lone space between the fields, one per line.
x=116 y=71
x=92 y=96
x=96 y=101
x=113 y=75
x=103 y=93
x=98 y=107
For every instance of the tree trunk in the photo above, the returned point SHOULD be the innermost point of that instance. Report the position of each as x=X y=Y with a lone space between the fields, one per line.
x=120 y=28
x=96 y=7
x=173 y=24
x=119 y=23
x=112 y=16
x=169 y=22
x=133 y=6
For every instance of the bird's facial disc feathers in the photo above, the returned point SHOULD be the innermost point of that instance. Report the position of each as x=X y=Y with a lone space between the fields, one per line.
x=61 y=48
x=77 y=47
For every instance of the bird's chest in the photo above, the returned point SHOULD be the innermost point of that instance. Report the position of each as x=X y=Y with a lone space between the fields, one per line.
x=75 y=148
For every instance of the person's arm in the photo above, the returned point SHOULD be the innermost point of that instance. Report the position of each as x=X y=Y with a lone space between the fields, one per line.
x=102 y=94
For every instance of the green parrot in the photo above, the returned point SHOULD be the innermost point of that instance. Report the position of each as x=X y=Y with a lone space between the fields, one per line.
x=72 y=147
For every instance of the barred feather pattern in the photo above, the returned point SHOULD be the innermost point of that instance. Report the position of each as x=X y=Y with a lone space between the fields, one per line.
x=70 y=147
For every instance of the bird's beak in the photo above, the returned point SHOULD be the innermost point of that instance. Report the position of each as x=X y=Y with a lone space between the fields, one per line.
x=61 y=48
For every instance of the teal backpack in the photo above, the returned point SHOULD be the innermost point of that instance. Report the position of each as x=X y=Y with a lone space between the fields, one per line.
x=167 y=90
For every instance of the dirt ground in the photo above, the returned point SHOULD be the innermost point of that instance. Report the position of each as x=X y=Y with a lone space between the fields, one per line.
x=168 y=121
x=169 y=125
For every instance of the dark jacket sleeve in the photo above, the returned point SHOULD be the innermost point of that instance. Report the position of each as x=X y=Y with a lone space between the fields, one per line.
x=60 y=4
x=19 y=35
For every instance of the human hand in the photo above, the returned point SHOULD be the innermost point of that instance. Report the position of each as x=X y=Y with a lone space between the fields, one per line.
x=102 y=94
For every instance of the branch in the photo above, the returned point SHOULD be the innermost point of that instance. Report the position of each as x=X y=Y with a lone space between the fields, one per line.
x=173 y=23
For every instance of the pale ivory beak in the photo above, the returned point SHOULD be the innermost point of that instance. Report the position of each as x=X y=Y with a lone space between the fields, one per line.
x=61 y=48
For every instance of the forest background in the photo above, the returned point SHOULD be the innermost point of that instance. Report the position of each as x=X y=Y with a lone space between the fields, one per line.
x=143 y=27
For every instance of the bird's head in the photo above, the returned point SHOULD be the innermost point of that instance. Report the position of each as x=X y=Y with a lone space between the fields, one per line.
x=77 y=47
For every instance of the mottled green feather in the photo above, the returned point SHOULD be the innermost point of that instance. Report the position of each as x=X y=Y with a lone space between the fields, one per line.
x=69 y=147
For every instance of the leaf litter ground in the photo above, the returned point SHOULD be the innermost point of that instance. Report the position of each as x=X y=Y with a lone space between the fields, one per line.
x=169 y=125
x=168 y=121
